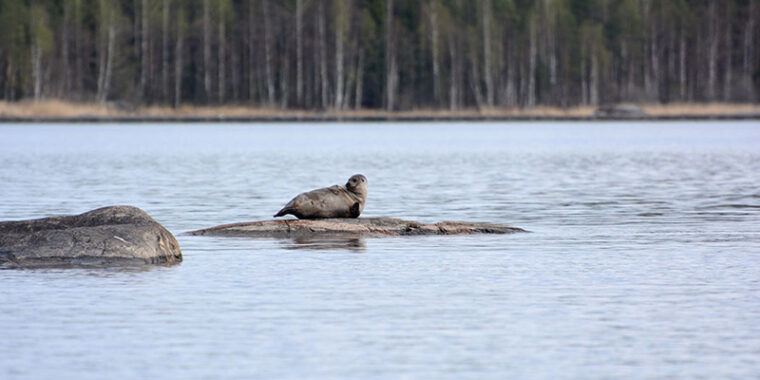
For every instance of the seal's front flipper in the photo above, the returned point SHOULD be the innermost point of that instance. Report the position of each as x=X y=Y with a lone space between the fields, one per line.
x=354 y=211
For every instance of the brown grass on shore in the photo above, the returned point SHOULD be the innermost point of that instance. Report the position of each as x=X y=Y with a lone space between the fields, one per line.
x=53 y=108
x=63 y=109
x=471 y=112
x=701 y=109
x=241 y=111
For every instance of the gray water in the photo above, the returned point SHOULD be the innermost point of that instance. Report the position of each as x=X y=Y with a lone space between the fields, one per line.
x=643 y=261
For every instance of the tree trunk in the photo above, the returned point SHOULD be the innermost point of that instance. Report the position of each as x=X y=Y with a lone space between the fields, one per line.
x=434 y=51
x=11 y=80
x=453 y=75
x=109 y=61
x=7 y=77
x=584 y=73
x=135 y=29
x=165 y=55
x=78 y=60
x=749 y=36
x=531 y=96
x=313 y=96
x=178 y=54
x=284 y=73
x=251 y=51
x=348 y=86
x=728 y=77
x=36 y=52
x=207 y=49
x=145 y=70
x=221 y=58
x=672 y=69
x=322 y=54
x=299 y=52
x=474 y=80
x=487 y=75
x=712 y=59
x=340 y=25
x=107 y=30
x=550 y=43
x=390 y=58
x=510 y=68
x=654 y=56
x=268 y=54
x=594 y=81
x=682 y=64
x=359 y=82
x=102 y=52
x=235 y=68
x=625 y=67
x=65 y=50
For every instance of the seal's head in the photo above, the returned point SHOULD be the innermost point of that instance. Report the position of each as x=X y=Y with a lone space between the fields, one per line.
x=357 y=184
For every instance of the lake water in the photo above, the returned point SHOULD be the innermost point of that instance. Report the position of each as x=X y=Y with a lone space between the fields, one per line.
x=643 y=261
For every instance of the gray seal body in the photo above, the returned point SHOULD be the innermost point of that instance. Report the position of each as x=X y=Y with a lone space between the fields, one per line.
x=330 y=202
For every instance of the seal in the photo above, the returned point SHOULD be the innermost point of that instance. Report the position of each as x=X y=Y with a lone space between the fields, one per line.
x=330 y=202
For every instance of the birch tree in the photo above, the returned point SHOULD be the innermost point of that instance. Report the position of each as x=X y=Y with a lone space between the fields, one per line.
x=207 y=49
x=712 y=55
x=179 y=52
x=144 y=48
x=750 y=46
x=323 y=81
x=530 y=96
x=299 y=52
x=42 y=44
x=165 y=10
x=485 y=15
x=109 y=20
x=268 y=52
x=341 y=23
x=223 y=16
x=391 y=71
x=433 y=11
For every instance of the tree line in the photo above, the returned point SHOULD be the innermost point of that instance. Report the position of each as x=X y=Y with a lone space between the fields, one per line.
x=390 y=54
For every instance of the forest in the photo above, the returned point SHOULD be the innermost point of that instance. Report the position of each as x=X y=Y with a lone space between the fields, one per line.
x=380 y=54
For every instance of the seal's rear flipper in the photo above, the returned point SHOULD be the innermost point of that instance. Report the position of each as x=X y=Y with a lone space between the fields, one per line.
x=354 y=210
x=282 y=212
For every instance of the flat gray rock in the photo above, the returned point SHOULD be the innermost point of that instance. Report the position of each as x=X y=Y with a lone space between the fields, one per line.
x=361 y=227
x=118 y=235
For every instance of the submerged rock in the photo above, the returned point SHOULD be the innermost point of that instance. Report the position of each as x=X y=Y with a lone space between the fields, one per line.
x=107 y=236
x=352 y=227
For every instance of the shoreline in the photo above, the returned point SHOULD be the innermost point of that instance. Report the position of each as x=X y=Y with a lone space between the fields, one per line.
x=371 y=119
x=54 y=111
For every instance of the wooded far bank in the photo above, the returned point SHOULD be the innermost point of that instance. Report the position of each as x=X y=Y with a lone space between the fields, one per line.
x=395 y=55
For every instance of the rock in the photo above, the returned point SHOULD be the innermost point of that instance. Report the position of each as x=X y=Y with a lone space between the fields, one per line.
x=620 y=111
x=107 y=236
x=360 y=227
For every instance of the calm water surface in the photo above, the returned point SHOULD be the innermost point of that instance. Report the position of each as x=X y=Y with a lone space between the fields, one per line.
x=643 y=261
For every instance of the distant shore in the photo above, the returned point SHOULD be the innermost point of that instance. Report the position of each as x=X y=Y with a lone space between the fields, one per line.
x=65 y=112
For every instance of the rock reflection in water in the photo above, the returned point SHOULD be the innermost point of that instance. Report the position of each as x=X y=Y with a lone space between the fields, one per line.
x=351 y=243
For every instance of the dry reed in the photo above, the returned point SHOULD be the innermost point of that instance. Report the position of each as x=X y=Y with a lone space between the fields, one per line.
x=62 y=109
